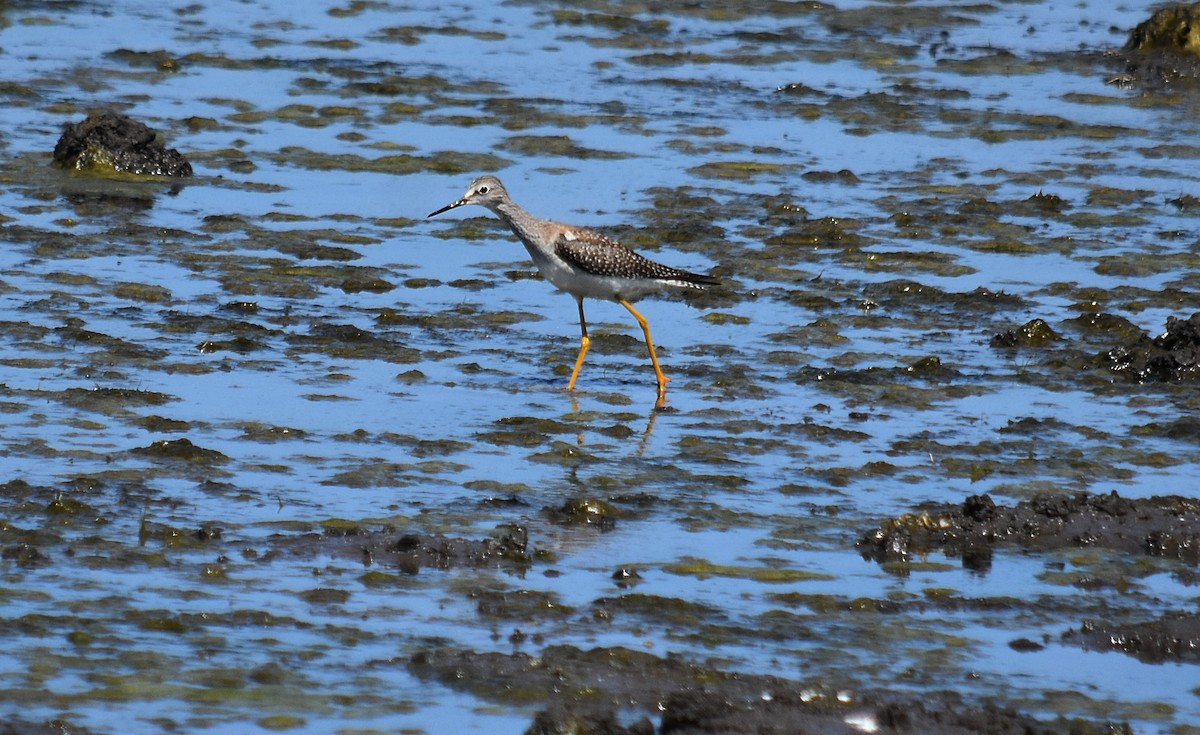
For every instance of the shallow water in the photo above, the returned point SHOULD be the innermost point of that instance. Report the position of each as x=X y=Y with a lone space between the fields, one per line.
x=335 y=355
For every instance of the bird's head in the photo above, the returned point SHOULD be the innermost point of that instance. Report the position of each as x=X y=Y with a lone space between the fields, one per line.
x=486 y=191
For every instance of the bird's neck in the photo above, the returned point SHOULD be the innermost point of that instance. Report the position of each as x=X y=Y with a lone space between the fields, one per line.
x=516 y=218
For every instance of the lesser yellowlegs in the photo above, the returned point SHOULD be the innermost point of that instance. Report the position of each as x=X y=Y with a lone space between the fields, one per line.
x=584 y=263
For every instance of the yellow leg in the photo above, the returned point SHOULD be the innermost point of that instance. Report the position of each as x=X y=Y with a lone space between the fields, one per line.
x=662 y=378
x=584 y=344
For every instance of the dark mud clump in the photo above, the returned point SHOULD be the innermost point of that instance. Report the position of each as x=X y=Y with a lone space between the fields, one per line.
x=405 y=551
x=1174 y=638
x=1167 y=526
x=1164 y=49
x=586 y=690
x=17 y=726
x=1174 y=28
x=1172 y=356
x=1034 y=333
x=560 y=719
x=585 y=511
x=107 y=142
x=179 y=449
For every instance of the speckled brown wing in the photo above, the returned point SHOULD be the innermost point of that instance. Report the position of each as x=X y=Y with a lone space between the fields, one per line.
x=602 y=256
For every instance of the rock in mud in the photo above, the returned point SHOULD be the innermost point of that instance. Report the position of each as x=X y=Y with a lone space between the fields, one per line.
x=107 y=142
x=1167 y=526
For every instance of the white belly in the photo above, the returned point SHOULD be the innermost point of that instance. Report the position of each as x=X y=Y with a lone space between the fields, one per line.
x=587 y=285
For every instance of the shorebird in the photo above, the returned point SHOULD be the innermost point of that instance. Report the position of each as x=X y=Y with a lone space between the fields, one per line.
x=585 y=264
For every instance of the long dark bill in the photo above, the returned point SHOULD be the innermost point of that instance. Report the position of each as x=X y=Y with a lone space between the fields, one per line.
x=448 y=207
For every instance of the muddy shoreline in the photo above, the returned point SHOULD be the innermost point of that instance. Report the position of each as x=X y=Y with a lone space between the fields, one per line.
x=591 y=692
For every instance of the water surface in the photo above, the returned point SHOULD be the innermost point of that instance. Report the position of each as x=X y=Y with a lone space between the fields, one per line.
x=865 y=178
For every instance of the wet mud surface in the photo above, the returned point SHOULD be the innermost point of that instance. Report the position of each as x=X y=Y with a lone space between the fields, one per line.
x=280 y=454
x=18 y=726
x=408 y=553
x=1158 y=526
x=586 y=689
x=1175 y=638
x=1171 y=356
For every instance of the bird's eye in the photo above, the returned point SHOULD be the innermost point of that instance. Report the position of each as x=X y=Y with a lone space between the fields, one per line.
x=482 y=190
